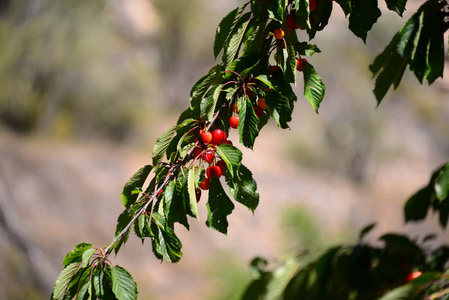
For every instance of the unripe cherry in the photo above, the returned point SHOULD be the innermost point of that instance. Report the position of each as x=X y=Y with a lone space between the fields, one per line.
x=218 y=136
x=234 y=121
x=279 y=33
x=206 y=137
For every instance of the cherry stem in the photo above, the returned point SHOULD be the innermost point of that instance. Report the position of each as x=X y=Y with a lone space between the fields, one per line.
x=233 y=72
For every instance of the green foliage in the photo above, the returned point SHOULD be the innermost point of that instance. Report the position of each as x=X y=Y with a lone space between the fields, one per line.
x=434 y=197
x=123 y=284
x=419 y=44
x=354 y=272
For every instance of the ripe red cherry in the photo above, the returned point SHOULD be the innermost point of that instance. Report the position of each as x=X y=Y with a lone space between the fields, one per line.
x=413 y=275
x=222 y=165
x=218 y=136
x=206 y=136
x=198 y=195
x=209 y=156
x=273 y=69
x=229 y=142
x=299 y=63
x=213 y=171
x=234 y=121
x=261 y=103
x=258 y=111
x=205 y=184
x=197 y=152
x=290 y=21
x=313 y=4
x=278 y=33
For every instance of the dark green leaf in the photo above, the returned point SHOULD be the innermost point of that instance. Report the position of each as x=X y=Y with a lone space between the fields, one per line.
x=364 y=13
x=232 y=47
x=345 y=6
x=254 y=37
x=415 y=209
x=162 y=144
x=419 y=63
x=135 y=182
x=314 y=87
x=209 y=102
x=247 y=127
x=302 y=10
x=276 y=10
x=142 y=227
x=410 y=290
x=219 y=207
x=398 y=6
x=63 y=281
x=200 y=88
x=280 y=108
x=165 y=243
x=76 y=254
x=435 y=58
x=443 y=208
x=123 y=220
x=99 y=282
x=232 y=156
x=243 y=188
x=391 y=74
x=366 y=230
x=123 y=284
x=226 y=28
x=306 y=49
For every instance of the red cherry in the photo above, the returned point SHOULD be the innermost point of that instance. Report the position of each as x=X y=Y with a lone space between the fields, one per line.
x=213 y=171
x=222 y=165
x=205 y=184
x=218 y=136
x=228 y=142
x=290 y=21
x=273 y=69
x=198 y=195
x=258 y=111
x=413 y=275
x=299 y=63
x=313 y=4
x=278 y=33
x=261 y=103
x=206 y=136
x=209 y=156
x=234 y=122
x=197 y=152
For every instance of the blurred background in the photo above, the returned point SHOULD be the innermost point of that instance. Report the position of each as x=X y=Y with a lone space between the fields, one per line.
x=86 y=87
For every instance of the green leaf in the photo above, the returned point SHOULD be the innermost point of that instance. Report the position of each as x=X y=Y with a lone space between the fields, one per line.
x=191 y=186
x=87 y=256
x=276 y=10
x=98 y=282
x=435 y=58
x=162 y=144
x=398 y=6
x=123 y=220
x=165 y=243
x=232 y=156
x=226 y=27
x=442 y=183
x=443 y=208
x=243 y=188
x=290 y=71
x=302 y=9
x=174 y=202
x=63 y=281
x=303 y=48
x=247 y=127
x=142 y=227
x=366 y=230
x=281 y=111
x=266 y=80
x=135 y=182
x=416 y=207
x=123 y=284
x=364 y=13
x=209 y=102
x=200 y=88
x=219 y=207
x=345 y=6
x=254 y=37
x=232 y=47
x=391 y=74
x=314 y=87
x=76 y=254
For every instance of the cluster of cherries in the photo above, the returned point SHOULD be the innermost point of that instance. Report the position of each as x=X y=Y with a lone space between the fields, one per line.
x=216 y=167
x=258 y=110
